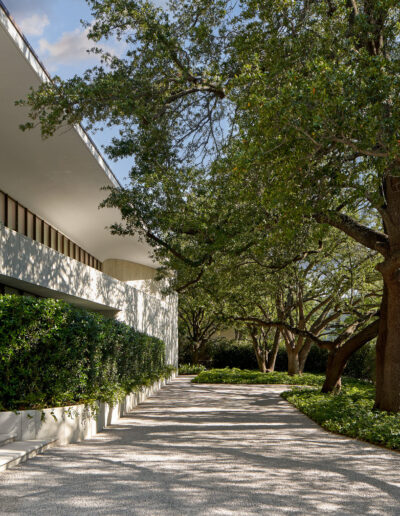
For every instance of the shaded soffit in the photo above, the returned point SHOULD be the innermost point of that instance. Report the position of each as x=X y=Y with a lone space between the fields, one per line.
x=58 y=179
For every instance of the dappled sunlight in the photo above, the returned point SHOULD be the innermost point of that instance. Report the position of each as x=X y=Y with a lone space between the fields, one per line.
x=209 y=449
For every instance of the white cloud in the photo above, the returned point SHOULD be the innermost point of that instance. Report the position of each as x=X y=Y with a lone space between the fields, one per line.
x=34 y=25
x=71 y=47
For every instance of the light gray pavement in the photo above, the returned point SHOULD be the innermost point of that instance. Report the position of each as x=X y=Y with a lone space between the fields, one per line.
x=208 y=450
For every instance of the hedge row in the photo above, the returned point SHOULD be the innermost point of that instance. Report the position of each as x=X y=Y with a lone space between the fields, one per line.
x=52 y=353
x=236 y=354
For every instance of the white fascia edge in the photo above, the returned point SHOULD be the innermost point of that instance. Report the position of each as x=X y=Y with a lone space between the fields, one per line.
x=41 y=72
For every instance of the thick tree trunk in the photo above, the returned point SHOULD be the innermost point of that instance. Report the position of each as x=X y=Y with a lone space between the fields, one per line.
x=260 y=356
x=334 y=370
x=274 y=352
x=198 y=352
x=388 y=349
x=337 y=358
x=260 y=351
x=293 y=361
x=261 y=362
x=380 y=348
x=195 y=354
x=303 y=355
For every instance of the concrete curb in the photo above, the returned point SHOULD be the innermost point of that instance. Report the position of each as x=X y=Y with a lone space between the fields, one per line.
x=73 y=423
x=16 y=452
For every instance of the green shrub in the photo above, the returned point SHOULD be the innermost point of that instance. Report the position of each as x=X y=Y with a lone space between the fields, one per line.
x=52 y=353
x=191 y=368
x=362 y=363
x=316 y=360
x=350 y=413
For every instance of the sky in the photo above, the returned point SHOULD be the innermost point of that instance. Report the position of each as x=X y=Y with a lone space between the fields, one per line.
x=53 y=29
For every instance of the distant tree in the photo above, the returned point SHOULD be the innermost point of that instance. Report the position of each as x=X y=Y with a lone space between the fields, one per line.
x=327 y=297
x=198 y=323
x=266 y=346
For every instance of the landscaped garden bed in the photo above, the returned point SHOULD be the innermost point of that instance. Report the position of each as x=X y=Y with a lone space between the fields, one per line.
x=245 y=376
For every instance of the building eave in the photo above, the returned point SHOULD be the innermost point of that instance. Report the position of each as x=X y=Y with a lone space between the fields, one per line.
x=60 y=179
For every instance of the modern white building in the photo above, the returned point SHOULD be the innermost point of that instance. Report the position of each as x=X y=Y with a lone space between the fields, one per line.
x=53 y=238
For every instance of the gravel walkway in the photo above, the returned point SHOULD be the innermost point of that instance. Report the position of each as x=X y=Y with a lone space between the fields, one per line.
x=208 y=450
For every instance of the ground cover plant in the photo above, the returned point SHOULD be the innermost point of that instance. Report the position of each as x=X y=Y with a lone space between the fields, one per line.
x=246 y=376
x=350 y=413
x=191 y=369
x=53 y=354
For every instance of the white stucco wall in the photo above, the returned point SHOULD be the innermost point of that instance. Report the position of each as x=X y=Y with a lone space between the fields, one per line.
x=52 y=274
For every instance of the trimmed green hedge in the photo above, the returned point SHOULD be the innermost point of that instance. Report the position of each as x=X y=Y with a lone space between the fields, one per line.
x=52 y=353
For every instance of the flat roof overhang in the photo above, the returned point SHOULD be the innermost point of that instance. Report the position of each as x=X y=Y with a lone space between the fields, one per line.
x=58 y=179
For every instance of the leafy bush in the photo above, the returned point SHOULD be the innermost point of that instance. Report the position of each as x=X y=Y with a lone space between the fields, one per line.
x=362 y=363
x=52 y=353
x=316 y=360
x=350 y=413
x=191 y=368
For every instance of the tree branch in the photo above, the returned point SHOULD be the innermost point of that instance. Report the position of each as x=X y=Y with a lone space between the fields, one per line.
x=357 y=341
x=361 y=152
x=282 y=326
x=177 y=254
x=191 y=282
x=370 y=238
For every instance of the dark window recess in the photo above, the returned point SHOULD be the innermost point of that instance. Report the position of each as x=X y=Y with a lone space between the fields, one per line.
x=6 y=289
x=17 y=217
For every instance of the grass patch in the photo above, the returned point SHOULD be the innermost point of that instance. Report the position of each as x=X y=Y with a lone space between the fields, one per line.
x=349 y=413
x=245 y=376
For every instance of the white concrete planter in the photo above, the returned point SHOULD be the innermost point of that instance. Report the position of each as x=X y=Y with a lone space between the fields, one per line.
x=74 y=423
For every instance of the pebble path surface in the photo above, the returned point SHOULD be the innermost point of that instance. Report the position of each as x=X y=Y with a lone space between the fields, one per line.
x=197 y=449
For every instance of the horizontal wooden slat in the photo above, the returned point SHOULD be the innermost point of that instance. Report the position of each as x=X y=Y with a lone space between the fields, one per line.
x=19 y=218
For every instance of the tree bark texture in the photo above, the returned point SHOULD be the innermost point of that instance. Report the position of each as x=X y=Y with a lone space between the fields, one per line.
x=261 y=354
x=274 y=352
x=338 y=357
x=388 y=347
x=303 y=355
x=293 y=361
